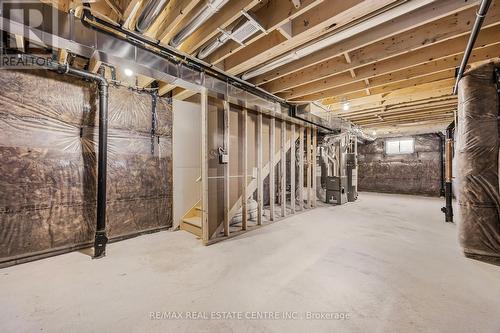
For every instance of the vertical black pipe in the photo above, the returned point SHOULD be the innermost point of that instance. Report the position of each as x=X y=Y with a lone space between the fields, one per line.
x=442 y=144
x=100 y=234
x=448 y=209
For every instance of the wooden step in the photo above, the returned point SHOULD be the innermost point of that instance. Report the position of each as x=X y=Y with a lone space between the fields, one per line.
x=192 y=225
x=194 y=221
x=197 y=211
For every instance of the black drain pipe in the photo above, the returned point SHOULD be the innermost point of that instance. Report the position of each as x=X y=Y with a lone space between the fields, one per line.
x=442 y=144
x=100 y=234
x=448 y=209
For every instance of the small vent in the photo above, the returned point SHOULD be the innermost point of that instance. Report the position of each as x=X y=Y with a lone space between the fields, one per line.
x=244 y=32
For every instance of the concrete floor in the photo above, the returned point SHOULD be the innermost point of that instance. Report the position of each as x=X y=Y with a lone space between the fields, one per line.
x=387 y=261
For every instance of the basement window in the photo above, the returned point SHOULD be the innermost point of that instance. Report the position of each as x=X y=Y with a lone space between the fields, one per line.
x=400 y=146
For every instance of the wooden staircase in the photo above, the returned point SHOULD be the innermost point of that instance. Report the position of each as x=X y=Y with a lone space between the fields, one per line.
x=191 y=221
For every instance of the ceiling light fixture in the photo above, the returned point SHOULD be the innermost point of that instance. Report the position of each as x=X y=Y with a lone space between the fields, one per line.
x=128 y=72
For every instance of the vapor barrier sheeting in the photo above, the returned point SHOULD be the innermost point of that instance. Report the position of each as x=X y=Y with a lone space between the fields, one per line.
x=477 y=163
x=48 y=165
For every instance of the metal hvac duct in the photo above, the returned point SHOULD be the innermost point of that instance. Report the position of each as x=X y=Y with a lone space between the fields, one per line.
x=210 y=8
x=151 y=11
x=239 y=34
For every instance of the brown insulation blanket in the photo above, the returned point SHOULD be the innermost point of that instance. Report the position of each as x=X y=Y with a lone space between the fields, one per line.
x=417 y=173
x=48 y=149
x=477 y=163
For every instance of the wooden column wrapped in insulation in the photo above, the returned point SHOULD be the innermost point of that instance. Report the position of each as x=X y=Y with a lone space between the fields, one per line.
x=477 y=163
x=48 y=149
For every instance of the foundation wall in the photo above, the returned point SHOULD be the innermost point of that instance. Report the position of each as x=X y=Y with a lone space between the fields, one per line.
x=417 y=173
x=48 y=166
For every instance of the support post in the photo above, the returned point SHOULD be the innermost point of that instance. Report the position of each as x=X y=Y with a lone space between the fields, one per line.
x=292 y=169
x=226 y=168
x=260 y=186
x=272 y=193
x=204 y=166
x=244 y=214
x=283 y=168
x=301 y=168
x=309 y=167
x=313 y=163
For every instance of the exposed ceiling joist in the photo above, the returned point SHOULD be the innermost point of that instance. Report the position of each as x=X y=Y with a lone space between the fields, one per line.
x=306 y=28
x=400 y=44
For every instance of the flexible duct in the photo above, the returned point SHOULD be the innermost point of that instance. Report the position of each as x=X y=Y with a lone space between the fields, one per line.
x=338 y=37
x=477 y=146
x=208 y=10
x=151 y=11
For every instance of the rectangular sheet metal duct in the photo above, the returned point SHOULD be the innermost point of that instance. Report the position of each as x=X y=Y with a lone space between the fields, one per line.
x=63 y=30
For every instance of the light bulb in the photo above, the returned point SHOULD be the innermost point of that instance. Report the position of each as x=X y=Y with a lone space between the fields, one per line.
x=128 y=72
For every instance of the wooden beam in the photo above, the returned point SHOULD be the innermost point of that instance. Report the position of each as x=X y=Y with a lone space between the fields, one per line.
x=399 y=25
x=170 y=17
x=381 y=85
x=439 y=90
x=301 y=168
x=314 y=145
x=309 y=167
x=292 y=169
x=352 y=93
x=274 y=15
x=165 y=88
x=17 y=42
x=444 y=55
x=144 y=81
x=403 y=108
x=401 y=44
x=272 y=180
x=62 y=56
x=226 y=168
x=165 y=35
x=227 y=15
x=131 y=14
x=204 y=166
x=305 y=27
x=182 y=94
x=260 y=184
x=94 y=64
x=244 y=211
x=283 y=168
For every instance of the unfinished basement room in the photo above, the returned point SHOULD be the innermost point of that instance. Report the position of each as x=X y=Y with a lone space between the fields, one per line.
x=250 y=166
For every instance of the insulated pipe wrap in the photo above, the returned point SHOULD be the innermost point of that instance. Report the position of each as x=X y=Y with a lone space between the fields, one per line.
x=477 y=163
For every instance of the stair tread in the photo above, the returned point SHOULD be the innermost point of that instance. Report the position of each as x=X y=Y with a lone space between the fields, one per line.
x=195 y=220
x=198 y=207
